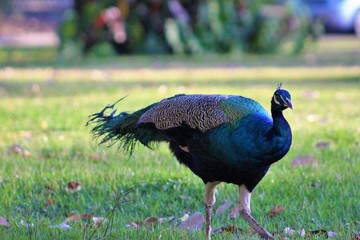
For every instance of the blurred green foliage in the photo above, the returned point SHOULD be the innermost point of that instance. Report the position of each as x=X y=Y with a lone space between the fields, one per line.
x=186 y=26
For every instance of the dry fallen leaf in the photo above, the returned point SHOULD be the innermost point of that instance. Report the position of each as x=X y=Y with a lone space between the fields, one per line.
x=231 y=229
x=96 y=221
x=149 y=221
x=4 y=222
x=303 y=160
x=322 y=232
x=93 y=220
x=77 y=217
x=275 y=211
x=223 y=207
x=194 y=222
x=73 y=186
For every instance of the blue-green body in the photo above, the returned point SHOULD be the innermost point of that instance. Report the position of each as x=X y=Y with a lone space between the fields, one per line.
x=240 y=155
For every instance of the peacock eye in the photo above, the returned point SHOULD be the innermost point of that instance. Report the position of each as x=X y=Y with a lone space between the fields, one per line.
x=276 y=100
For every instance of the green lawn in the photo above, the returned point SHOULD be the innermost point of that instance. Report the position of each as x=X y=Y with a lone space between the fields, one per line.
x=45 y=144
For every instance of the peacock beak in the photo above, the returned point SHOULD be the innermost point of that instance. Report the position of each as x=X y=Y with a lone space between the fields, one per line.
x=289 y=104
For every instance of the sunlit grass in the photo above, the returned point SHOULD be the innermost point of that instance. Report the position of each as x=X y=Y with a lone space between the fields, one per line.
x=45 y=111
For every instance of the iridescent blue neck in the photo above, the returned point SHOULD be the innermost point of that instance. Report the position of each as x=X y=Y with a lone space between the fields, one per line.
x=281 y=135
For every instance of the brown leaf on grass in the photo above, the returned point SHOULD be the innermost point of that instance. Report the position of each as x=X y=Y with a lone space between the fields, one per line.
x=94 y=220
x=17 y=149
x=229 y=229
x=276 y=210
x=323 y=144
x=160 y=220
x=78 y=217
x=322 y=232
x=223 y=207
x=91 y=219
x=303 y=160
x=4 y=222
x=149 y=221
x=73 y=186
x=194 y=222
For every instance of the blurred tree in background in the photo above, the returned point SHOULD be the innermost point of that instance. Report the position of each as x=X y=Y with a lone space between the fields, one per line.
x=184 y=26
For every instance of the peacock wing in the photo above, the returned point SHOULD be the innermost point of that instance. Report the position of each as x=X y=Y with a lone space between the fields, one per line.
x=202 y=112
x=198 y=111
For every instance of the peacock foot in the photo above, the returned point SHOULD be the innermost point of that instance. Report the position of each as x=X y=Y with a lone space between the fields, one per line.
x=255 y=225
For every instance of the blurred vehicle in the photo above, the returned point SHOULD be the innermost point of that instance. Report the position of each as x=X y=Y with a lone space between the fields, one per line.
x=336 y=15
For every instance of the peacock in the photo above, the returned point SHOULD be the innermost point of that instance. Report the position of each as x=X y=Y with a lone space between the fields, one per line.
x=220 y=138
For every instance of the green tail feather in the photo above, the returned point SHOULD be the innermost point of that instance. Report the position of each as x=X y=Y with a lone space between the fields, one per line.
x=122 y=128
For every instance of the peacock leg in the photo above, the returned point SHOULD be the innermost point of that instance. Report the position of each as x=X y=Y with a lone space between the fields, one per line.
x=245 y=212
x=210 y=189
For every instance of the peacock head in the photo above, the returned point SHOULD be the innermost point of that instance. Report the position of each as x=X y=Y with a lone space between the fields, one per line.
x=281 y=100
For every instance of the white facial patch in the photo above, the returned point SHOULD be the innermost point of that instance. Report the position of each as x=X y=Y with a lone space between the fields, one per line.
x=276 y=101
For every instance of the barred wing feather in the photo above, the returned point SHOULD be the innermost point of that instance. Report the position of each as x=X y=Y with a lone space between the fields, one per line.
x=202 y=112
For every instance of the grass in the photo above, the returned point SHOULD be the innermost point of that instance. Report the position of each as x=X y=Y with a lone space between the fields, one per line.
x=44 y=109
